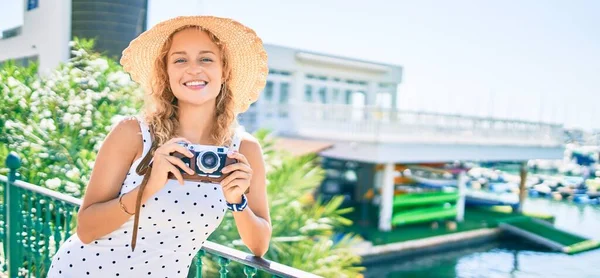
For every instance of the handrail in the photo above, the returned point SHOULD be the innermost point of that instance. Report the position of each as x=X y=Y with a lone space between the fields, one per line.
x=256 y=262
x=385 y=125
x=44 y=191
x=224 y=253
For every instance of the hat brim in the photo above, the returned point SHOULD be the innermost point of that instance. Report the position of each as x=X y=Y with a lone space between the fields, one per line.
x=245 y=53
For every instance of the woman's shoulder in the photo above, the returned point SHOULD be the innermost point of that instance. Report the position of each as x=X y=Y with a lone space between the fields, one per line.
x=246 y=138
x=249 y=144
x=127 y=127
x=126 y=137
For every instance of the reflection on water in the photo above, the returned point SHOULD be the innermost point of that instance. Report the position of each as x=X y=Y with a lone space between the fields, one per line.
x=510 y=257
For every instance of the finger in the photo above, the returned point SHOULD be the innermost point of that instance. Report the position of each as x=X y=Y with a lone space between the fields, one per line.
x=236 y=183
x=235 y=175
x=237 y=166
x=233 y=191
x=239 y=156
x=178 y=162
x=242 y=184
x=176 y=173
x=173 y=147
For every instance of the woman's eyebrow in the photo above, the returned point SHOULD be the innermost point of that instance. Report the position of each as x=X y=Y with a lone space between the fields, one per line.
x=184 y=53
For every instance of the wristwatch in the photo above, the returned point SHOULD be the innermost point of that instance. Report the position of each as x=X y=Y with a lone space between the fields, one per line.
x=238 y=207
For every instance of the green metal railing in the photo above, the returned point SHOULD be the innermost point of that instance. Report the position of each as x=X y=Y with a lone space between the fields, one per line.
x=35 y=221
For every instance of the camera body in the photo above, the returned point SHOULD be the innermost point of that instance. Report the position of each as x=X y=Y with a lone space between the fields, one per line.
x=207 y=162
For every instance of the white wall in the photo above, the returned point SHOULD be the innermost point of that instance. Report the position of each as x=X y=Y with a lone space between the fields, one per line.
x=46 y=33
x=11 y=14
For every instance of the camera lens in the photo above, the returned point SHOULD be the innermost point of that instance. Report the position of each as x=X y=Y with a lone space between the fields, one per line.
x=208 y=161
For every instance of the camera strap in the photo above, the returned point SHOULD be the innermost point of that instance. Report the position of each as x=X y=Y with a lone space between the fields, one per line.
x=145 y=168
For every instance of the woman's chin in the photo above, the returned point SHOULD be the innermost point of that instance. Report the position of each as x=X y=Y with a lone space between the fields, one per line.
x=194 y=101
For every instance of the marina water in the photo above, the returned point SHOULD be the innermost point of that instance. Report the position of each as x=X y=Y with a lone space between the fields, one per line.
x=510 y=256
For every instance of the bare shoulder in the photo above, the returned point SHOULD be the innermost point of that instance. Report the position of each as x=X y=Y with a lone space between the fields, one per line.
x=128 y=126
x=250 y=145
x=126 y=137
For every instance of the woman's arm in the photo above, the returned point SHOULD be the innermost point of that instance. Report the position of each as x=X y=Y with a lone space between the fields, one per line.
x=254 y=223
x=100 y=213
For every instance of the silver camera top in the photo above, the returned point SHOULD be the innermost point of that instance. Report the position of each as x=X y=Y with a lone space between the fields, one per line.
x=208 y=158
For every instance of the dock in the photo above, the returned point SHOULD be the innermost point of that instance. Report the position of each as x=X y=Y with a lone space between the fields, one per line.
x=543 y=233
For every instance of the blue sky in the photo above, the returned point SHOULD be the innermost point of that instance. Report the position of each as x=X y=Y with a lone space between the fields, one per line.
x=533 y=60
x=529 y=59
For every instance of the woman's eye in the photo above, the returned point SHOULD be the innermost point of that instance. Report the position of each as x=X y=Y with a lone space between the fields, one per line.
x=179 y=60
x=206 y=60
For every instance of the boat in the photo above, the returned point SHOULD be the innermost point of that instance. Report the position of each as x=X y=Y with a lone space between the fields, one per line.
x=425 y=214
x=422 y=207
x=434 y=183
x=486 y=198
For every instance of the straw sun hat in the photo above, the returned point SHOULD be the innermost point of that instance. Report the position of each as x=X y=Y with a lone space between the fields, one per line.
x=244 y=49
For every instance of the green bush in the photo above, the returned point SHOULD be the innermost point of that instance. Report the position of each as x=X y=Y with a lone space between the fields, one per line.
x=57 y=122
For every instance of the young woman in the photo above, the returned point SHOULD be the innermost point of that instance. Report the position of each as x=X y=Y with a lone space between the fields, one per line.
x=140 y=217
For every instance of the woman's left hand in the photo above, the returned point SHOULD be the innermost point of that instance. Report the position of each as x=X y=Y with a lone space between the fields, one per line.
x=238 y=180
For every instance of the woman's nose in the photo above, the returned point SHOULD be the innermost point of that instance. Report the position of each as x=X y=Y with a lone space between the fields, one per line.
x=194 y=68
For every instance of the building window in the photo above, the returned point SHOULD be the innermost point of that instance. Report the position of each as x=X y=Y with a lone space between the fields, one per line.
x=279 y=72
x=308 y=93
x=284 y=93
x=323 y=95
x=269 y=92
x=23 y=61
x=284 y=99
x=316 y=77
x=348 y=97
x=336 y=95
x=32 y=4
x=10 y=33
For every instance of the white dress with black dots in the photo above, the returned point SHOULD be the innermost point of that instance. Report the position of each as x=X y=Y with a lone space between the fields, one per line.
x=174 y=223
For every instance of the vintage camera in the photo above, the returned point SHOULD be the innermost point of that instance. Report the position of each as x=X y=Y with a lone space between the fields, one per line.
x=207 y=162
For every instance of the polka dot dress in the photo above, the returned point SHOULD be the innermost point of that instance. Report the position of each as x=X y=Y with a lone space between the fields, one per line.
x=174 y=224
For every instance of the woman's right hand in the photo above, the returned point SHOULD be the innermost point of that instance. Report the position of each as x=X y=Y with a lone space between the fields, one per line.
x=164 y=162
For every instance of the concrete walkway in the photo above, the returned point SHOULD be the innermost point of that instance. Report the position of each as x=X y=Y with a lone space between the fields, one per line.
x=455 y=240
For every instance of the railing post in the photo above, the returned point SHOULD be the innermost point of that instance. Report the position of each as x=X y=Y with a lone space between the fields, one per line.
x=199 y=263
x=10 y=224
x=223 y=263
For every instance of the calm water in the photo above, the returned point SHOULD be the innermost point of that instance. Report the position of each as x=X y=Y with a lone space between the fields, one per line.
x=511 y=257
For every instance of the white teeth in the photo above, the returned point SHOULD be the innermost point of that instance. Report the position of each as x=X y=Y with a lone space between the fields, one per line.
x=195 y=83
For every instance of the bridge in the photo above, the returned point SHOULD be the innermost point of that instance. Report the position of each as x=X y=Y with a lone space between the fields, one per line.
x=373 y=124
x=379 y=139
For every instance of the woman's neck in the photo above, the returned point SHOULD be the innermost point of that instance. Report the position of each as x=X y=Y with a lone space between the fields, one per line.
x=196 y=123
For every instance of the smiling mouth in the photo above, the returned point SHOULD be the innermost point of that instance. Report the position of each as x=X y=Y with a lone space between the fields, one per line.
x=196 y=84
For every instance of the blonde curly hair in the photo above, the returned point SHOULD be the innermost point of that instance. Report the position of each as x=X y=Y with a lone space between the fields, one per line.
x=161 y=109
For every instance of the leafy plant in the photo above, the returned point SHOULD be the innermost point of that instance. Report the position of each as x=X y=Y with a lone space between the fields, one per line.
x=57 y=122
x=303 y=228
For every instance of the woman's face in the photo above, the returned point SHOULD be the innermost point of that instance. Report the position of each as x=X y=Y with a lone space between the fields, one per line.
x=194 y=67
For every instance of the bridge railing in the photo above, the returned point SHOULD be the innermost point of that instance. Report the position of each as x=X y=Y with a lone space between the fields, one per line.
x=35 y=221
x=376 y=124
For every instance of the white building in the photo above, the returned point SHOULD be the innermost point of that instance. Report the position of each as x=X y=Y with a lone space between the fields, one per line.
x=317 y=81
x=42 y=31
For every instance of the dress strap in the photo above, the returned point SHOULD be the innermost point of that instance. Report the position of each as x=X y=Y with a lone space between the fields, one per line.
x=236 y=140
